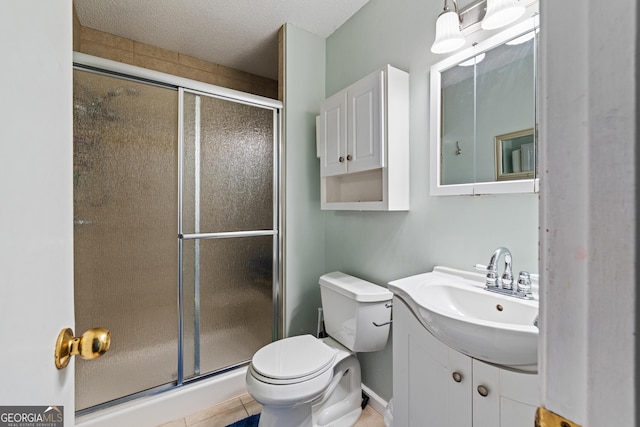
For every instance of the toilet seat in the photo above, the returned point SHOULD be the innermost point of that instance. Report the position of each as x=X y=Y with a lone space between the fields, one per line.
x=292 y=360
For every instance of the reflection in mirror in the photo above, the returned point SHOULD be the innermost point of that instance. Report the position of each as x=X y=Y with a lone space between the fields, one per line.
x=486 y=96
x=515 y=156
x=505 y=100
x=458 y=127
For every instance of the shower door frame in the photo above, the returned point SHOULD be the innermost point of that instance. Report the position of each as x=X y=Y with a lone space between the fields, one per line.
x=183 y=85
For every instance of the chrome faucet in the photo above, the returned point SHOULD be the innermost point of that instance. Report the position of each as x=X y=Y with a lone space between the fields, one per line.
x=505 y=284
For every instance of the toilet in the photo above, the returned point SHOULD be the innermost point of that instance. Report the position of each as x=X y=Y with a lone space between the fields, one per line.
x=304 y=381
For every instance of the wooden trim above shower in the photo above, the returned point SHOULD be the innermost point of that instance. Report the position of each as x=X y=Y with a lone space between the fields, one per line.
x=116 y=48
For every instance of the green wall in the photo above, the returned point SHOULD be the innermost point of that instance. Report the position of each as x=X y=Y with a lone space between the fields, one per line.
x=304 y=72
x=455 y=231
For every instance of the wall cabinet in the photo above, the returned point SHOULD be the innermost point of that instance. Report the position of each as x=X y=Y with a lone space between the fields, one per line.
x=435 y=386
x=363 y=144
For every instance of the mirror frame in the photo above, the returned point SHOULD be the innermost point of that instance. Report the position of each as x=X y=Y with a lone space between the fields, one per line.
x=530 y=185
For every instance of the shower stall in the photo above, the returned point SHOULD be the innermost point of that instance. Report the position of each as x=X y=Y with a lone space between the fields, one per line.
x=177 y=228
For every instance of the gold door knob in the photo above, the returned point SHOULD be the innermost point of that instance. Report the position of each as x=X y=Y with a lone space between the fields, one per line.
x=92 y=344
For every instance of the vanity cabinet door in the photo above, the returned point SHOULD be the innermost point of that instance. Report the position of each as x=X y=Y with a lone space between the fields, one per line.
x=511 y=399
x=486 y=395
x=431 y=382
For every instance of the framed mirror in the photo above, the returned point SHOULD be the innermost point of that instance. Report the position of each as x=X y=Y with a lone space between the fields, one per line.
x=483 y=116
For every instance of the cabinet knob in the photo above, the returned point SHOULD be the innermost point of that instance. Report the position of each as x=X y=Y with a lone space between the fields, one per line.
x=457 y=376
x=483 y=391
x=349 y=157
x=341 y=159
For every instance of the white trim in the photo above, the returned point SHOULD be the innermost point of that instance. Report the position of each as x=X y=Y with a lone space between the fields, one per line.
x=377 y=403
x=143 y=73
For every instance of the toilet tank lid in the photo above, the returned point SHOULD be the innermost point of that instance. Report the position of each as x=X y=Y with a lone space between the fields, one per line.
x=355 y=288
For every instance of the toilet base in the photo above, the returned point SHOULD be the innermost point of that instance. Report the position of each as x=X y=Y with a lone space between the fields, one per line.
x=338 y=405
x=349 y=419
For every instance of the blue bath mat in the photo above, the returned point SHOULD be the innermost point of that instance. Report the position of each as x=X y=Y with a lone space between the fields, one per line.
x=251 y=421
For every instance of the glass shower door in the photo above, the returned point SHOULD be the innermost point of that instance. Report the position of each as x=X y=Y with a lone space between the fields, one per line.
x=176 y=233
x=229 y=229
x=125 y=216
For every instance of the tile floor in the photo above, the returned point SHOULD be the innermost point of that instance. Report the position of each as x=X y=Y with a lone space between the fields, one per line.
x=236 y=409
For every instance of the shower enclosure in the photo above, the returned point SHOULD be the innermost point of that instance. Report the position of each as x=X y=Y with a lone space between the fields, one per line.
x=176 y=228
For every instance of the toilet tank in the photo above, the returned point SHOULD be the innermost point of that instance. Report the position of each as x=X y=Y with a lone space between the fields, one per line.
x=350 y=306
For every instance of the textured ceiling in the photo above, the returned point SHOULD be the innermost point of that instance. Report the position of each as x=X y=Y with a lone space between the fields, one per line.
x=241 y=34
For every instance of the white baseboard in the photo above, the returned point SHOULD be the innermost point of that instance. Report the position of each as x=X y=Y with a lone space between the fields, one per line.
x=377 y=403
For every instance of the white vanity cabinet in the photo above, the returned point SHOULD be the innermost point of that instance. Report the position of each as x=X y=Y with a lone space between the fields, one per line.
x=363 y=144
x=436 y=386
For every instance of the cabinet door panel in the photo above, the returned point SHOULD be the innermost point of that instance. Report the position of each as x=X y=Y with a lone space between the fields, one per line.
x=459 y=408
x=486 y=409
x=425 y=393
x=427 y=386
x=333 y=120
x=365 y=124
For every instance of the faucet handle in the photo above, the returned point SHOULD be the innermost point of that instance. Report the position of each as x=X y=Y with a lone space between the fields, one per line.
x=492 y=275
x=524 y=283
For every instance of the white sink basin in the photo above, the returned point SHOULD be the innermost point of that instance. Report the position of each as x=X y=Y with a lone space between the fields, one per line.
x=454 y=306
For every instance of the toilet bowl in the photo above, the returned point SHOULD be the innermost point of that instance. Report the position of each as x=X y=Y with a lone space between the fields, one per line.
x=304 y=381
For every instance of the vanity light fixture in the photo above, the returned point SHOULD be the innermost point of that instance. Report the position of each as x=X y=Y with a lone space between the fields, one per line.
x=491 y=14
x=448 y=34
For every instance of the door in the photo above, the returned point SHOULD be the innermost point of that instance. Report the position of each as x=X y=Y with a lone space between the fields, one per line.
x=333 y=122
x=36 y=248
x=431 y=382
x=228 y=230
x=125 y=201
x=365 y=123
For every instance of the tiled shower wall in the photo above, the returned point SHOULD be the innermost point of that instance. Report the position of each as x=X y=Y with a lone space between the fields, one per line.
x=109 y=46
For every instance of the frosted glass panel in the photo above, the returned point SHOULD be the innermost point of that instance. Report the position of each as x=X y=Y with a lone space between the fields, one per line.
x=229 y=146
x=125 y=216
x=236 y=310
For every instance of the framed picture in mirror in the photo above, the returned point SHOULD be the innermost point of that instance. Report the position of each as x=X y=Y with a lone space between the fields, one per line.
x=515 y=155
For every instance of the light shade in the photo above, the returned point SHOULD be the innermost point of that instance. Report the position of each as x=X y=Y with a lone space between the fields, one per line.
x=500 y=13
x=448 y=34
